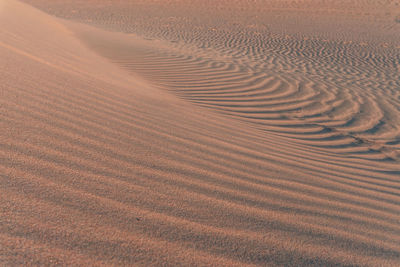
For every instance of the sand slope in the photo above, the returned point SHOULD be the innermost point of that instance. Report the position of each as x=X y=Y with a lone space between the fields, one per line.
x=103 y=165
x=323 y=72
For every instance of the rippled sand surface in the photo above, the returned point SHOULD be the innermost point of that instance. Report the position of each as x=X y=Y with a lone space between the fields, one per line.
x=200 y=133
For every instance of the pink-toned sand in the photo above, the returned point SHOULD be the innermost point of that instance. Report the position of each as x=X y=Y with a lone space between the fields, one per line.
x=199 y=133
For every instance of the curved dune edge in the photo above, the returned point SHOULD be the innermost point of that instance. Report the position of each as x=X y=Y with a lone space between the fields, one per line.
x=348 y=108
x=100 y=167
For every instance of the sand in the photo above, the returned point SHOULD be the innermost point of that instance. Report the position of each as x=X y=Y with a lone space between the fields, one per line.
x=199 y=133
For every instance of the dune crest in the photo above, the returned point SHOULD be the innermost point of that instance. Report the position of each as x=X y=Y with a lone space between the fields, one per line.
x=120 y=150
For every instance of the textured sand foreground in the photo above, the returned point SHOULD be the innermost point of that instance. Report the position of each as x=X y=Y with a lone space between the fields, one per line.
x=138 y=133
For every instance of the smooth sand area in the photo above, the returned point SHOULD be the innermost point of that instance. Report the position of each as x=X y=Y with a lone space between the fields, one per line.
x=199 y=133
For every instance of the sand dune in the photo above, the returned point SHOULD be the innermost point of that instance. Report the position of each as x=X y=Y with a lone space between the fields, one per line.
x=216 y=147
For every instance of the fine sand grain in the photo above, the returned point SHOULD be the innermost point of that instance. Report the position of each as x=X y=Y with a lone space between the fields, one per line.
x=199 y=133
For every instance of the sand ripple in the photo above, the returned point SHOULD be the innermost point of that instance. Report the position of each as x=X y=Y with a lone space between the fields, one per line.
x=242 y=152
x=330 y=96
